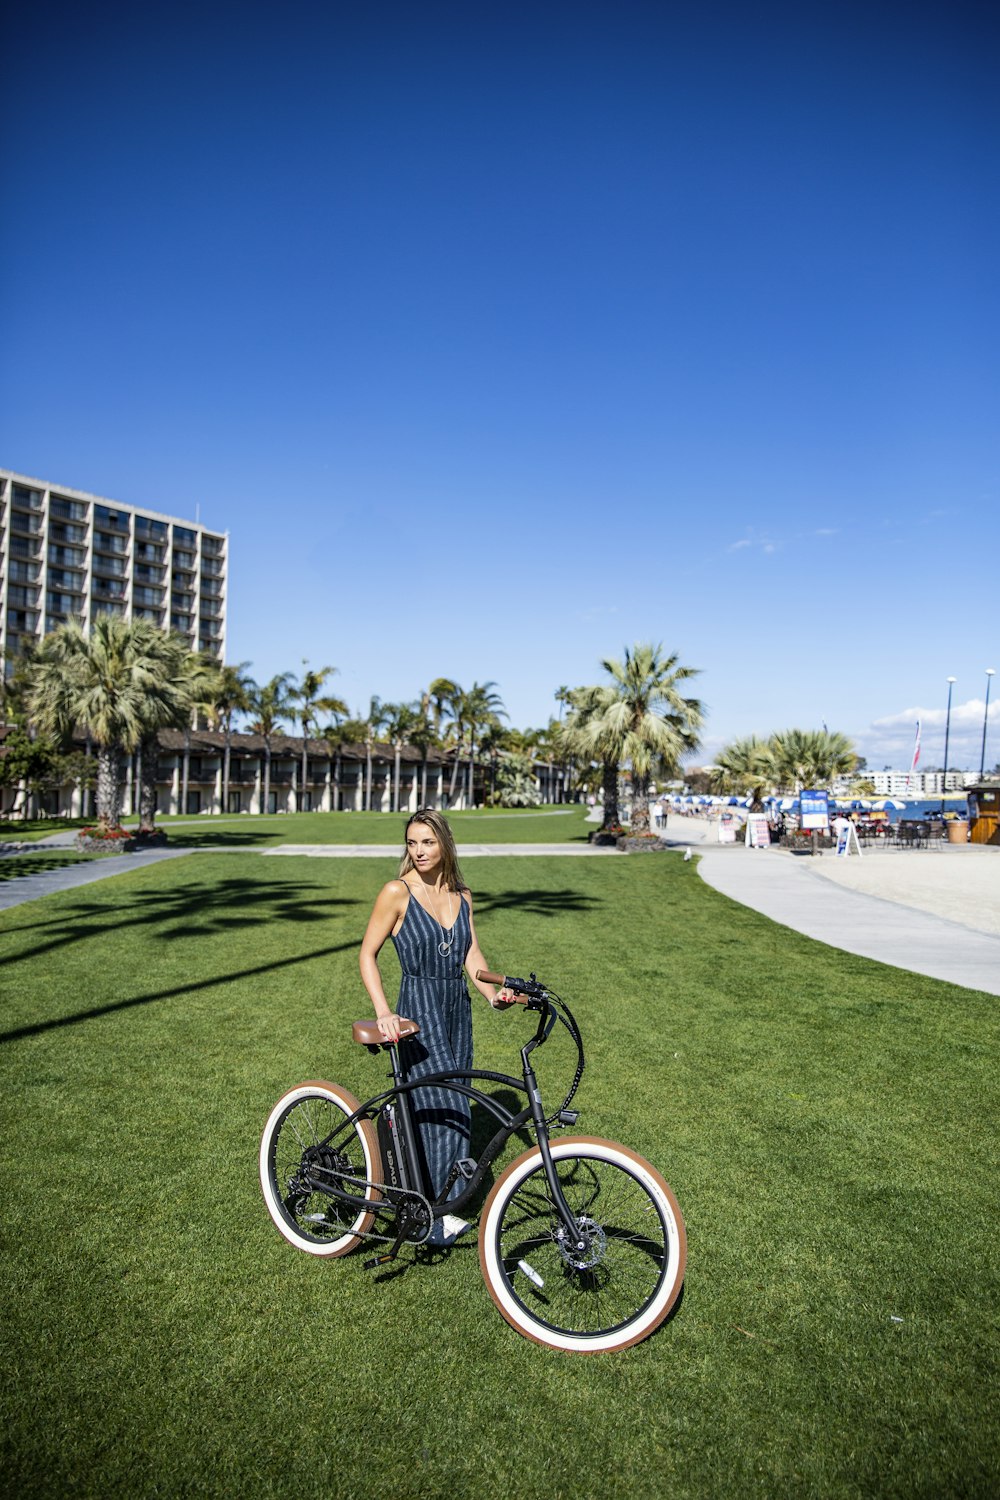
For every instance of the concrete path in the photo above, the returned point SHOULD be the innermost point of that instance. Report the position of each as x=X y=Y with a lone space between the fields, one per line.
x=29 y=887
x=787 y=889
x=465 y=851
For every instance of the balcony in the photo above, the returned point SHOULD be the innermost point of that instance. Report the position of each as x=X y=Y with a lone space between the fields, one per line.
x=210 y=610
x=210 y=647
x=183 y=623
x=27 y=598
x=20 y=619
x=111 y=520
x=107 y=607
x=211 y=589
x=143 y=573
x=149 y=552
x=211 y=629
x=184 y=560
x=155 y=530
x=25 y=524
x=155 y=615
x=148 y=596
x=64 y=604
x=110 y=567
x=30 y=499
x=67 y=556
x=212 y=569
x=213 y=546
x=31 y=551
x=62 y=531
x=107 y=593
x=59 y=578
x=67 y=510
x=24 y=572
x=116 y=545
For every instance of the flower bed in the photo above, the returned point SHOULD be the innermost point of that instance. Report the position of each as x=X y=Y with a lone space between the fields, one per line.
x=105 y=841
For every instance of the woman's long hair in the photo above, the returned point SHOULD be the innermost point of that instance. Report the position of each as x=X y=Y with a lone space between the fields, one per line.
x=450 y=873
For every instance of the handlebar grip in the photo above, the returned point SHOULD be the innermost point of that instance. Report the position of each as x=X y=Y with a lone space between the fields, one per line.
x=488 y=978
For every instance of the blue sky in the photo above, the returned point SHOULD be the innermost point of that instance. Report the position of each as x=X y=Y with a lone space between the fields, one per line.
x=501 y=337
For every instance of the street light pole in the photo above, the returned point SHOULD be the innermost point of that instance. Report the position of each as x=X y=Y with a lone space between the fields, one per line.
x=947 y=731
x=986 y=713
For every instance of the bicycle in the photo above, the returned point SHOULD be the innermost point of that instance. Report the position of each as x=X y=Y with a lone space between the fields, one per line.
x=581 y=1242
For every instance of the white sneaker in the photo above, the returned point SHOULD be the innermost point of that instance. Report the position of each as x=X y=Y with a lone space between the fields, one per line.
x=446 y=1230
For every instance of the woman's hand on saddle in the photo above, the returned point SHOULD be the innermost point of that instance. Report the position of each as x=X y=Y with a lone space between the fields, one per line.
x=388 y=1028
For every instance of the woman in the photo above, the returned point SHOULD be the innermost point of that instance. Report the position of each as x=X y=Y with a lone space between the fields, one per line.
x=428 y=914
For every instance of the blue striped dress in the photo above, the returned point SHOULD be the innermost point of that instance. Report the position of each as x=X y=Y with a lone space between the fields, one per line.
x=433 y=994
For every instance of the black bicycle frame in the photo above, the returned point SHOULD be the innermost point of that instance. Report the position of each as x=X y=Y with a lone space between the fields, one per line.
x=411 y=1165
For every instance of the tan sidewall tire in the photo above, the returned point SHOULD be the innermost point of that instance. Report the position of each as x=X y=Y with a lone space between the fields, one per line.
x=516 y=1316
x=346 y=1102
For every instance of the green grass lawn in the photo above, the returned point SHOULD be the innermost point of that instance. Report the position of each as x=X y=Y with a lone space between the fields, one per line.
x=552 y=825
x=827 y=1124
x=16 y=831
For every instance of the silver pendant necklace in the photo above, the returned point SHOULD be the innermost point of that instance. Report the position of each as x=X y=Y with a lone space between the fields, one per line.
x=444 y=946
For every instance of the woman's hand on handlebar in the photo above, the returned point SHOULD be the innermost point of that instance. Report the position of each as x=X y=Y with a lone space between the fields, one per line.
x=504 y=999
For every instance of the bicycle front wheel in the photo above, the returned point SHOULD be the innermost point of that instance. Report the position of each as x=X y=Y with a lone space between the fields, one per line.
x=612 y=1285
x=308 y=1178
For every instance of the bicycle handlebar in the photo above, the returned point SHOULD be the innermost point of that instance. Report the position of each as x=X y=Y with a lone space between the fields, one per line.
x=527 y=987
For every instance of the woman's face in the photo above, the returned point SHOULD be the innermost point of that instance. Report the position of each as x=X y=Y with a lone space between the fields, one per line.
x=423 y=848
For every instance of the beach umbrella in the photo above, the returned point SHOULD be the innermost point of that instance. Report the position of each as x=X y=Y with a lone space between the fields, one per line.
x=859 y=805
x=788 y=804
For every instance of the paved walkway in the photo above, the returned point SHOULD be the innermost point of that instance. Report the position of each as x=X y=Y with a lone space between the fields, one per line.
x=465 y=851
x=29 y=887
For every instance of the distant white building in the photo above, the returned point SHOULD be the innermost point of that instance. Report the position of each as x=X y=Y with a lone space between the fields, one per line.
x=918 y=784
x=65 y=553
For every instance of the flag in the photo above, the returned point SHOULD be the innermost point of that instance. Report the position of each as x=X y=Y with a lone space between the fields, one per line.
x=916 y=757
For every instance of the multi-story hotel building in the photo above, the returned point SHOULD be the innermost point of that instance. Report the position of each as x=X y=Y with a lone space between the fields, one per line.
x=64 y=553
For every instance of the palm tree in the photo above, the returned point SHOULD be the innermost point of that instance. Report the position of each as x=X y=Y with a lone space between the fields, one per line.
x=232 y=696
x=439 y=698
x=481 y=707
x=745 y=766
x=312 y=701
x=400 y=720
x=422 y=737
x=374 y=723
x=201 y=677
x=339 y=733
x=116 y=683
x=810 y=757
x=269 y=705
x=640 y=715
x=586 y=735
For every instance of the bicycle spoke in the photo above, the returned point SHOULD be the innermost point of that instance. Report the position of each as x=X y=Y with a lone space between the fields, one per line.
x=626 y=1245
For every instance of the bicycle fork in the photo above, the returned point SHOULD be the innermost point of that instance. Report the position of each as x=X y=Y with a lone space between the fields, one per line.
x=542 y=1135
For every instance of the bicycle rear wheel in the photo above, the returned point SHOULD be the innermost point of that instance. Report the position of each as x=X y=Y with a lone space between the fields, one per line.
x=296 y=1166
x=621 y=1285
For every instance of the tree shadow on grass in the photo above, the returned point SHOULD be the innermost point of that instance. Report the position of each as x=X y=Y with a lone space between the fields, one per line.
x=17 y=866
x=39 y=1027
x=536 y=903
x=220 y=906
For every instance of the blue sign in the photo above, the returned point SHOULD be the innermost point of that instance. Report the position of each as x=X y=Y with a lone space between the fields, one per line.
x=814 y=810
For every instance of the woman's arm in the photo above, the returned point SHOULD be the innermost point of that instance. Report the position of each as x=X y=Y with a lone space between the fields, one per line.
x=474 y=961
x=389 y=907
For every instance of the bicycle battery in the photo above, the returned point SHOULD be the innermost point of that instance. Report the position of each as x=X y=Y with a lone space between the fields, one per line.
x=388 y=1142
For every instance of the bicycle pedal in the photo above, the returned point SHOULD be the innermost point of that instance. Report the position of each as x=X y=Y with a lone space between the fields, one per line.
x=467 y=1168
x=376 y=1261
